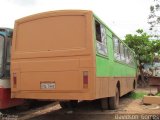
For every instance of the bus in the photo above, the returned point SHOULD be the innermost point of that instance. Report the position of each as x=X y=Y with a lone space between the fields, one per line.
x=69 y=56
x=5 y=88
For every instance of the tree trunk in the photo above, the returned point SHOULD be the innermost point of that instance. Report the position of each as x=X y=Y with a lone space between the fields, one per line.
x=142 y=74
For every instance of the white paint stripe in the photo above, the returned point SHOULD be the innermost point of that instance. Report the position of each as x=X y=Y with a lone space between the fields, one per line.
x=5 y=83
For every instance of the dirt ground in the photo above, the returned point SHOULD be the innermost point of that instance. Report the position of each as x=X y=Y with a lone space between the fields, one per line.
x=89 y=110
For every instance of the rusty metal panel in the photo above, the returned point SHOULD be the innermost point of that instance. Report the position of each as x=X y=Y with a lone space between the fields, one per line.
x=154 y=81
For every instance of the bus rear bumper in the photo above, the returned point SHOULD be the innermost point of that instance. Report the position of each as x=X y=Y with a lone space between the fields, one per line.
x=53 y=95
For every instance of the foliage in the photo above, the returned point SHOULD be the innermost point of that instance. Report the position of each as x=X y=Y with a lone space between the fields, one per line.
x=158 y=94
x=137 y=95
x=154 y=19
x=144 y=48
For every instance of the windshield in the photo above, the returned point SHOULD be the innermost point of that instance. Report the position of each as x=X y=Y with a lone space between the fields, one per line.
x=1 y=53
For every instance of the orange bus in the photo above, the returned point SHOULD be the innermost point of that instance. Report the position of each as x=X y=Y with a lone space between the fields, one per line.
x=70 y=55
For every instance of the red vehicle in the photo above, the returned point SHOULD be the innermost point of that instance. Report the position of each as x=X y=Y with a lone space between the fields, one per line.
x=5 y=88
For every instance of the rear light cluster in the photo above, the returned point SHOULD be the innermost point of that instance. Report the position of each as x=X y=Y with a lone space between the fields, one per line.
x=85 y=79
x=14 y=80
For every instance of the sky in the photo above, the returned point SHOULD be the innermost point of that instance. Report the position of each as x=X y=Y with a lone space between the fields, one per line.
x=122 y=16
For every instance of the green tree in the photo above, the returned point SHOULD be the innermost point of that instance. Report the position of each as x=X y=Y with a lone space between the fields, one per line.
x=143 y=47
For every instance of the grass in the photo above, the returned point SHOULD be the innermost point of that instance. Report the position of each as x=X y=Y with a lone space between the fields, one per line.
x=158 y=94
x=137 y=95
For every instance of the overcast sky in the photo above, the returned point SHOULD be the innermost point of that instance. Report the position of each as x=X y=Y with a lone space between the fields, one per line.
x=122 y=16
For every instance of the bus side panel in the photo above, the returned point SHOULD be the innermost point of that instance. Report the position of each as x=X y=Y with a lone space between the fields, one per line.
x=126 y=85
x=110 y=72
x=105 y=86
x=102 y=87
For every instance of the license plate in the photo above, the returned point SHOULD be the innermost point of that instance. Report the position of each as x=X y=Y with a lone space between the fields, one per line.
x=48 y=85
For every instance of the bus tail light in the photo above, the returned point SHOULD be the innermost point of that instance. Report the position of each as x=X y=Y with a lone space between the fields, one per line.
x=14 y=80
x=85 y=79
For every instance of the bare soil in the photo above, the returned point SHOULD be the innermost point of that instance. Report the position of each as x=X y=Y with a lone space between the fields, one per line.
x=89 y=110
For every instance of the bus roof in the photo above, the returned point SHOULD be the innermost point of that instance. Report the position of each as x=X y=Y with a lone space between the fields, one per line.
x=65 y=12
x=52 y=13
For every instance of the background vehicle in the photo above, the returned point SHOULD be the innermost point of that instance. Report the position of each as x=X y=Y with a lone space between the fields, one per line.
x=5 y=88
x=70 y=55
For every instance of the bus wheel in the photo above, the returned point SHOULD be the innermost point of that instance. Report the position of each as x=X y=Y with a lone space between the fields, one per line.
x=74 y=103
x=134 y=85
x=25 y=106
x=114 y=101
x=68 y=104
x=104 y=103
x=63 y=104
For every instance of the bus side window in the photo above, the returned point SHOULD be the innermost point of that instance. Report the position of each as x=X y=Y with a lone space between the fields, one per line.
x=98 y=31
x=116 y=48
x=101 y=38
x=126 y=55
x=124 y=49
x=122 y=52
x=130 y=58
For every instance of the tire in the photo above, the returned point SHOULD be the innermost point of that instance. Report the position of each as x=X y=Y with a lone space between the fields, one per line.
x=104 y=104
x=134 y=85
x=25 y=106
x=1 y=113
x=74 y=103
x=63 y=104
x=68 y=104
x=114 y=101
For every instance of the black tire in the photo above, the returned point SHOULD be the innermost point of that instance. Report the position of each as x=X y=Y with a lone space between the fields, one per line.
x=74 y=103
x=63 y=104
x=134 y=85
x=25 y=106
x=68 y=104
x=104 y=104
x=1 y=112
x=114 y=101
